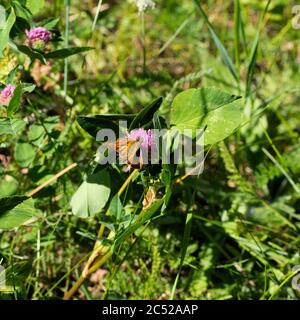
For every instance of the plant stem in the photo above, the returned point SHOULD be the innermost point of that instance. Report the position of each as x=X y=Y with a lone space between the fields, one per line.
x=143 y=41
x=75 y=287
x=127 y=181
x=100 y=262
x=59 y=174
x=97 y=15
x=38 y=255
x=96 y=259
x=83 y=277
x=67 y=4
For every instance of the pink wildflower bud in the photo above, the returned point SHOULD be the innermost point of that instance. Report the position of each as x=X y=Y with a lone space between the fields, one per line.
x=145 y=136
x=146 y=151
x=38 y=37
x=6 y=94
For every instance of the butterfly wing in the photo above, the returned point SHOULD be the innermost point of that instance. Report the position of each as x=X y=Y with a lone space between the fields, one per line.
x=127 y=150
x=135 y=155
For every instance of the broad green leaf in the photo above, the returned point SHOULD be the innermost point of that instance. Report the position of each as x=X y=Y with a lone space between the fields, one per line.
x=36 y=134
x=35 y=5
x=92 y=196
x=24 y=154
x=4 y=33
x=15 y=101
x=11 y=126
x=223 y=121
x=8 y=185
x=146 y=114
x=15 y=217
x=190 y=106
x=64 y=53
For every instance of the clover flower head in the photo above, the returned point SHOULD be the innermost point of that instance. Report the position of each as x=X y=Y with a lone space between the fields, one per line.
x=6 y=94
x=144 y=4
x=38 y=37
x=146 y=137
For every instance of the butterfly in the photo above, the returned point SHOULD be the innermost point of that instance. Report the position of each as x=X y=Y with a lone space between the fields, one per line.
x=128 y=151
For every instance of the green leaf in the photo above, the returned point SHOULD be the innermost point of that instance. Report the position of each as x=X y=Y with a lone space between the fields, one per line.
x=146 y=114
x=223 y=121
x=31 y=53
x=190 y=106
x=11 y=126
x=24 y=154
x=15 y=217
x=116 y=117
x=217 y=111
x=15 y=101
x=8 y=203
x=115 y=208
x=92 y=196
x=166 y=176
x=36 y=134
x=8 y=186
x=64 y=53
x=35 y=5
x=108 y=221
x=4 y=33
x=22 y=14
x=93 y=124
x=12 y=74
x=50 y=23
x=28 y=87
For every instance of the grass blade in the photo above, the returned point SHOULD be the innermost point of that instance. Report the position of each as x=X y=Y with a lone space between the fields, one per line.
x=237 y=28
x=4 y=34
x=97 y=15
x=176 y=33
x=186 y=236
x=283 y=171
x=67 y=4
x=253 y=53
x=224 y=54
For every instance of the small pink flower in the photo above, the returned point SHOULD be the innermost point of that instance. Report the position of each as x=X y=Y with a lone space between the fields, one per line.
x=6 y=94
x=38 y=37
x=147 y=148
x=146 y=136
